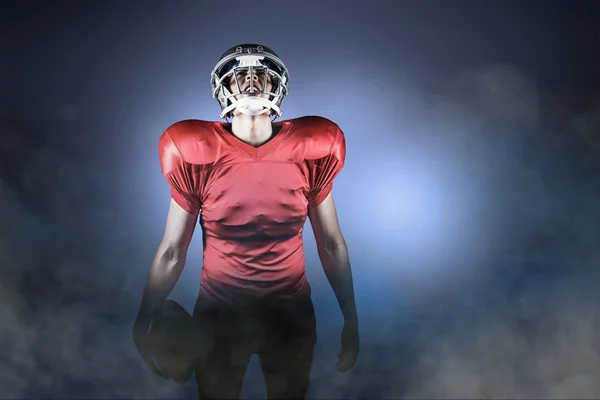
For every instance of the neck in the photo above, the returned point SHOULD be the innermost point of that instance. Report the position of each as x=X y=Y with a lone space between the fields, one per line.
x=254 y=130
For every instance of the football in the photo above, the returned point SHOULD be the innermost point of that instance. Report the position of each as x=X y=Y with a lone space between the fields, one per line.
x=174 y=343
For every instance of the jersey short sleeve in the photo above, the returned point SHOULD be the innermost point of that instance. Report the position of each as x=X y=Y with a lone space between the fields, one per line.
x=325 y=170
x=179 y=174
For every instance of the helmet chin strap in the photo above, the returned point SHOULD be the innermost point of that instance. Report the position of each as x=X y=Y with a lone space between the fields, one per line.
x=251 y=106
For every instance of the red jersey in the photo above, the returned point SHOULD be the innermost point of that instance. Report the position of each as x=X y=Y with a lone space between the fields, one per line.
x=253 y=201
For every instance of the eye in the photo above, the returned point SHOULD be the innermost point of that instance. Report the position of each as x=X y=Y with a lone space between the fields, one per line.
x=238 y=74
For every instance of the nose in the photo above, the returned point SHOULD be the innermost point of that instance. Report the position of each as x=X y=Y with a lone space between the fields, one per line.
x=255 y=81
x=254 y=76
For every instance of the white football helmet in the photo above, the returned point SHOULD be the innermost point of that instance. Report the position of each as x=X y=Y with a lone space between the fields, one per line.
x=255 y=60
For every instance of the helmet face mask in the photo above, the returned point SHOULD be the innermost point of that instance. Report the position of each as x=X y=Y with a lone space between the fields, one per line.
x=250 y=60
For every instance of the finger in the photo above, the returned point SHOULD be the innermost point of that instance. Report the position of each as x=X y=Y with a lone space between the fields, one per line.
x=144 y=350
x=343 y=366
x=149 y=361
x=153 y=367
x=346 y=361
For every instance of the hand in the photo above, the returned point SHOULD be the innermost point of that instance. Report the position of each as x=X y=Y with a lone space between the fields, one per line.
x=141 y=338
x=350 y=347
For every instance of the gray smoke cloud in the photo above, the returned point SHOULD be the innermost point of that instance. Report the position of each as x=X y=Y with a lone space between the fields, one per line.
x=64 y=315
x=530 y=331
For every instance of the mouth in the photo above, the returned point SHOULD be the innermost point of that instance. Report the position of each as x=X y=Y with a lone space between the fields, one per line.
x=248 y=87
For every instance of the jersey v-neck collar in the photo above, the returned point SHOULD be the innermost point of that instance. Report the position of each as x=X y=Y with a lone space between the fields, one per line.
x=255 y=152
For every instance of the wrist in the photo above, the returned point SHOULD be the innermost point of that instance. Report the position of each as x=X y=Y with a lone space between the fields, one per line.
x=351 y=319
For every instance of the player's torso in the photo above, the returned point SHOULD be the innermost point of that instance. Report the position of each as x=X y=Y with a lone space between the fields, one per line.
x=253 y=204
x=255 y=193
x=251 y=192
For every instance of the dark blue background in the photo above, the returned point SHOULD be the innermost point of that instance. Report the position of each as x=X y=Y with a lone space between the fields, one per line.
x=469 y=200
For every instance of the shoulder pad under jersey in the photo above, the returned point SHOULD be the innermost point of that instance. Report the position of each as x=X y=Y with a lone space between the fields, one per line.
x=320 y=135
x=196 y=140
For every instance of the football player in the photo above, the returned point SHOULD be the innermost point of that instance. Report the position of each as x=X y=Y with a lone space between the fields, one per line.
x=252 y=182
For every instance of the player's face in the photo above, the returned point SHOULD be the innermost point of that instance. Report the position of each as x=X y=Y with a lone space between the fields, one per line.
x=243 y=78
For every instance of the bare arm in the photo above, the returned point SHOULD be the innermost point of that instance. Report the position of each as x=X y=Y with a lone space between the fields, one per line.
x=169 y=259
x=334 y=256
